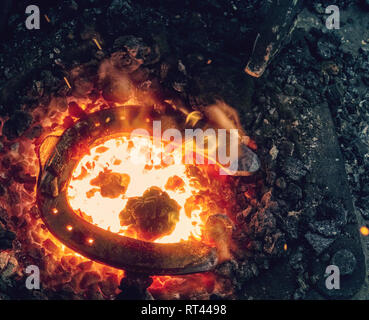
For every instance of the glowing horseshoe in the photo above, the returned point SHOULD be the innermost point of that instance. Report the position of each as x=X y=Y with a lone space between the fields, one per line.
x=57 y=162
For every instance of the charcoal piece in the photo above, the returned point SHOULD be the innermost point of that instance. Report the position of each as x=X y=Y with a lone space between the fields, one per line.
x=318 y=242
x=294 y=169
x=112 y=184
x=17 y=125
x=294 y=192
x=137 y=49
x=5 y=244
x=116 y=90
x=291 y=226
x=286 y=148
x=123 y=62
x=261 y=223
x=281 y=183
x=345 y=260
x=364 y=213
x=152 y=215
x=35 y=132
x=361 y=148
x=332 y=211
x=247 y=271
x=327 y=228
x=335 y=93
x=324 y=50
x=134 y=287
x=6 y=238
x=227 y=268
x=273 y=244
x=296 y=260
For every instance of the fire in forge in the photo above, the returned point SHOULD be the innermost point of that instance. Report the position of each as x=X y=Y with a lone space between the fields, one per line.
x=184 y=150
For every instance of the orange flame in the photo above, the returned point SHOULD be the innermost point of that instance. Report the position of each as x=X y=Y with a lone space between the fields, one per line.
x=130 y=156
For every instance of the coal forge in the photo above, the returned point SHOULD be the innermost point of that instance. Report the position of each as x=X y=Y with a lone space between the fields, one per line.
x=108 y=212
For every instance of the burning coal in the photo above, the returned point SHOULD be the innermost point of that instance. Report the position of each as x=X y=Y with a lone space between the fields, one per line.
x=168 y=193
x=131 y=157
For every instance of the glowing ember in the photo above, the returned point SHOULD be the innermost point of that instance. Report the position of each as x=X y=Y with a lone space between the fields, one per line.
x=97 y=43
x=122 y=168
x=364 y=231
x=151 y=216
x=67 y=82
